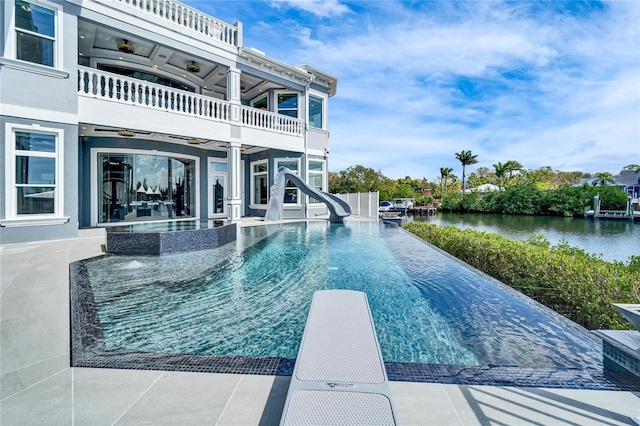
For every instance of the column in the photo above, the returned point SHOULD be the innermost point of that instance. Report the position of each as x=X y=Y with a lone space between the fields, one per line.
x=233 y=93
x=235 y=181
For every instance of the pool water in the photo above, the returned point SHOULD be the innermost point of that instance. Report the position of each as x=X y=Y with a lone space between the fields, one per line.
x=251 y=298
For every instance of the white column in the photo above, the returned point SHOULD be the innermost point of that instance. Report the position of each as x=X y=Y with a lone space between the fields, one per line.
x=233 y=93
x=235 y=180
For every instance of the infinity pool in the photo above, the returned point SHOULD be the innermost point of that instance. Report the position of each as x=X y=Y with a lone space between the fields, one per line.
x=251 y=298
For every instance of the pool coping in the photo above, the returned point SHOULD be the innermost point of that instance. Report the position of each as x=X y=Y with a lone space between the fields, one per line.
x=88 y=349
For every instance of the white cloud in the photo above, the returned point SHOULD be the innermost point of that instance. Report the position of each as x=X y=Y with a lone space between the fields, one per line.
x=543 y=83
x=576 y=103
x=321 y=8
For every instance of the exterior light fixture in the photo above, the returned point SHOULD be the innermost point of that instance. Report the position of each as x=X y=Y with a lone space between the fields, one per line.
x=126 y=133
x=193 y=67
x=126 y=47
x=194 y=141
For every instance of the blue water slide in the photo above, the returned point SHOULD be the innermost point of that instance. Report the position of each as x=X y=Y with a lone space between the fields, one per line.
x=339 y=209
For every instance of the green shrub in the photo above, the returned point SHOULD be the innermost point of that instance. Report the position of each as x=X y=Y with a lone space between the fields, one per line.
x=578 y=285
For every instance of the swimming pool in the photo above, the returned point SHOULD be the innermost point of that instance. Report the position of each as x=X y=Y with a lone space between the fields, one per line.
x=250 y=299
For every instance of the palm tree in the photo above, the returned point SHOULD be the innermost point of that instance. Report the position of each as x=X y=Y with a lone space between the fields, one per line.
x=501 y=171
x=603 y=178
x=512 y=166
x=445 y=172
x=466 y=158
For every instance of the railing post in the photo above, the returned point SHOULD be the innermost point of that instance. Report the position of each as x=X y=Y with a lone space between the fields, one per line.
x=238 y=41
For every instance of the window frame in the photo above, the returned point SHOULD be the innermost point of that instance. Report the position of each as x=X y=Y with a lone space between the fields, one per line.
x=321 y=173
x=12 y=218
x=96 y=183
x=277 y=108
x=297 y=171
x=11 y=47
x=253 y=174
x=322 y=98
x=211 y=207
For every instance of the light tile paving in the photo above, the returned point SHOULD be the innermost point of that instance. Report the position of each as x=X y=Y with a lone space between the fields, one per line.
x=38 y=387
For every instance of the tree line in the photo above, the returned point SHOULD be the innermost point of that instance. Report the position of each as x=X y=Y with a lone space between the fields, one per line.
x=541 y=191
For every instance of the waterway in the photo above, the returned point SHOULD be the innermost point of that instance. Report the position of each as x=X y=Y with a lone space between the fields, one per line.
x=609 y=239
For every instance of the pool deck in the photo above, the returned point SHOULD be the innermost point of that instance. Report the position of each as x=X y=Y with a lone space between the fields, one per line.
x=38 y=387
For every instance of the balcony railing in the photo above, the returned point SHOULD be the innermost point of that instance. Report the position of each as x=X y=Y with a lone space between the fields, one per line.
x=260 y=119
x=116 y=88
x=190 y=18
x=98 y=84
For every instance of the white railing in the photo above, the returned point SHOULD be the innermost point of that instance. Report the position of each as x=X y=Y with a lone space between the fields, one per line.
x=98 y=84
x=190 y=18
x=260 y=119
x=116 y=88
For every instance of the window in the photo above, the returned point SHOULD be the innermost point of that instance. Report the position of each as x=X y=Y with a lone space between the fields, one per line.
x=261 y=103
x=135 y=187
x=316 y=177
x=315 y=112
x=259 y=182
x=217 y=186
x=35 y=30
x=288 y=104
x=291 y=192
x=34 y=172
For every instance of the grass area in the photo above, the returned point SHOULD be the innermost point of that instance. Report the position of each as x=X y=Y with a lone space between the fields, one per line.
x=578 y=285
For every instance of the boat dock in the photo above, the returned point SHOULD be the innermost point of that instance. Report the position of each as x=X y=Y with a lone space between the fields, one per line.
x=429 y=209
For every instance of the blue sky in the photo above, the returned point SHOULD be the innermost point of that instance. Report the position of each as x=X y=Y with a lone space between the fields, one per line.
x=546 y=83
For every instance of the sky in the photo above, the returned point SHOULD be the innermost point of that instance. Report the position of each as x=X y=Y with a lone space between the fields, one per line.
x=548 y=83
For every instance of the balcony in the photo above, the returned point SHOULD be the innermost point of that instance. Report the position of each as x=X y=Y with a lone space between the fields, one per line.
x=120 y=90
x=178 y=16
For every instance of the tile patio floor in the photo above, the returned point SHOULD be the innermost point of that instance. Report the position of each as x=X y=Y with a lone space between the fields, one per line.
x=37 y=386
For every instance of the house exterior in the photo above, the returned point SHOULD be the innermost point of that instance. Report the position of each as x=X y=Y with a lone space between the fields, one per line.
x=125 y=111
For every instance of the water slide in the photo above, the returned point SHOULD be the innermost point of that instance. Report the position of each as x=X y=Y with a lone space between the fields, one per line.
x=339 y=209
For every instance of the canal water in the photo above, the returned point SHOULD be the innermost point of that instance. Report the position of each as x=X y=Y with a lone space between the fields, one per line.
x=609 y=239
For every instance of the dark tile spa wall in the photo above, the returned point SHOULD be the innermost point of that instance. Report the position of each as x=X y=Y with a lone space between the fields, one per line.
x=121 y=240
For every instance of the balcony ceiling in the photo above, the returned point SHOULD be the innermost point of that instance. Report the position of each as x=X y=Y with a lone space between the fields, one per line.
x=98 y=44
x=91 y=130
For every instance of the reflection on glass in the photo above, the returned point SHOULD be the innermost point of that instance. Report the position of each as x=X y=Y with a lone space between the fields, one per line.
x=218 y=194
x=315 y=112
x=315 y=178
x=35 y=33
x=260 y=189
x=35 y=170
x=36 y=200
x=35 y=142
x=288 y=104
x=146 y=187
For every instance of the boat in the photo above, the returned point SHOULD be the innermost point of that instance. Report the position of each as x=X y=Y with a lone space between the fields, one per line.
x=391 y=217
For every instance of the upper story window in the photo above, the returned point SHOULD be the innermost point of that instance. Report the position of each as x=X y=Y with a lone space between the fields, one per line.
x=35 y=31
x=288 y=104
x=261 y=103
x=316 y=112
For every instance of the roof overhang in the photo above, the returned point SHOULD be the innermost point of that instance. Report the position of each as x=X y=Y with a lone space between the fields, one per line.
x=253 y=56
x=322 y=77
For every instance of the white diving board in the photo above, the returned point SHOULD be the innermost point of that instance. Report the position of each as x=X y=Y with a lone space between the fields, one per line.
x=339 y=376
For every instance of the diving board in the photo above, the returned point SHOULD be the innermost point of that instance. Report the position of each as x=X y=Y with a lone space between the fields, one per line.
x=339 y=376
